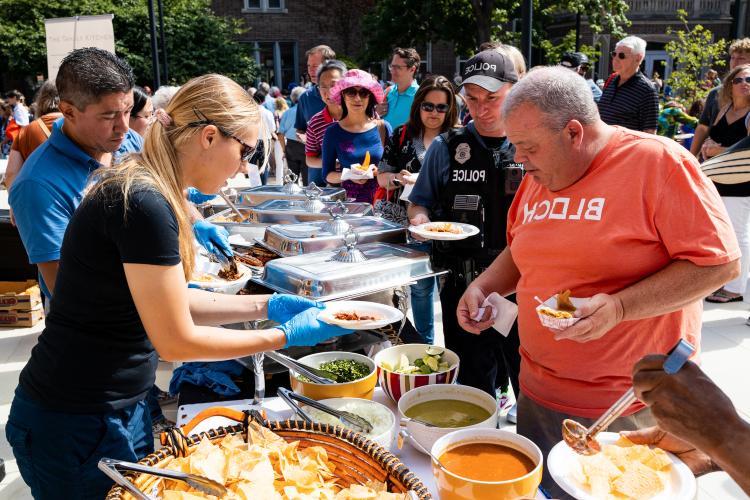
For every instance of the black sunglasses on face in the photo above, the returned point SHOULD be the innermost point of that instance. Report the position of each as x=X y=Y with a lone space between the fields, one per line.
x=247 y=150
x=620 y=55
x=739 y=80
x=430 y=107
x=353 y=91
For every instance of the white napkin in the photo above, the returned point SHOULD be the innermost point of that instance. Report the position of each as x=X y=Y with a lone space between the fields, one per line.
x=408 y=187
x=504 y=312
x=352 y=174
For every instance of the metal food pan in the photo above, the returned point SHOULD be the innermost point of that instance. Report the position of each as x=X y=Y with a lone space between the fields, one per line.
x=257 y=195
x=286 y=241
x=293 y=211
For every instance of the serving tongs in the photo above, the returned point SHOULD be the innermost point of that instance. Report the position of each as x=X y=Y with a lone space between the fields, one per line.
x=348 y=418
x=231 y=205
x=315 y=374
x=583 y=440
x=113 y=467
x=228 y=262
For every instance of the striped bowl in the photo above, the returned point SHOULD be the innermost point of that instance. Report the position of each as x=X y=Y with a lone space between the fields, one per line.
x=398 y=384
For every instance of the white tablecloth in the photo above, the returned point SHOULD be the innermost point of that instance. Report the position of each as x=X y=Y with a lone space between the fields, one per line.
x=418 y=462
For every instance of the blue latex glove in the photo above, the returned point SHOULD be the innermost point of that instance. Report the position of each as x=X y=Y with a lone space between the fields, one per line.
x=197 y=197
x=283 y=307
x=211 y=237
x=304 y=329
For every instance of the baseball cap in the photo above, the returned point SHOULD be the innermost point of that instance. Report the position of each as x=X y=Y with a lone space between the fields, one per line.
x=584 y=57
x=571 y=60
x=489 y=69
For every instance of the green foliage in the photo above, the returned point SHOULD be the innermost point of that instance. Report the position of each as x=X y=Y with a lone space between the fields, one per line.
x=603 y=16
x=198 y=41
x=568 y=44
x=692 y=50
x=350 y=62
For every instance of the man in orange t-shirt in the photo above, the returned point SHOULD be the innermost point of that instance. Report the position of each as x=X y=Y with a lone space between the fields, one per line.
x=622 y=217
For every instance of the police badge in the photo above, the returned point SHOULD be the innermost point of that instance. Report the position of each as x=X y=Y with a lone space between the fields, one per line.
x=463 y=153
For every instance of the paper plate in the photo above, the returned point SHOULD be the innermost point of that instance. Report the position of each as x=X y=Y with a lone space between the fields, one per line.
x=681 y=484
x=422 y=230
x=211 y=281
x=385 y=314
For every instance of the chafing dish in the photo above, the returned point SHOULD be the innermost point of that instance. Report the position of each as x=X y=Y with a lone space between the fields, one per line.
x=296 y=239
x=319 y=276
x=249 y=230
x=289 y=191
x=293 y=211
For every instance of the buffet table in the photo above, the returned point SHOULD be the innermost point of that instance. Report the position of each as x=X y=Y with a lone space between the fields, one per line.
x=418 y=462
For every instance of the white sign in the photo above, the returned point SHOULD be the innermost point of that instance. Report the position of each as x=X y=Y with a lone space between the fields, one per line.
x=66 y=34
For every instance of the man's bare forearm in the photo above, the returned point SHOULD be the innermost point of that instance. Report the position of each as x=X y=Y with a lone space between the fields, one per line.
x=314 y=161
x=502 y=276
x=733 y=456
x=674 y=287
x=415 y=210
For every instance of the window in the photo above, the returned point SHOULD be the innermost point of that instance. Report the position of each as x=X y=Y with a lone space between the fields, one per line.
x=264 y=6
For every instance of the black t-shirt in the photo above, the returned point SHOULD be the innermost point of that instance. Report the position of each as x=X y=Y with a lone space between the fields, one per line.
x=94 y=355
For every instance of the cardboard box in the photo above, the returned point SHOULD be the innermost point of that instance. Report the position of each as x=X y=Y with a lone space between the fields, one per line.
x=16 y=318
x=19 y=296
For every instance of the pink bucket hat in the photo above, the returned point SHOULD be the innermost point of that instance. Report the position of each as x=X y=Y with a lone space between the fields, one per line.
x=357 y=78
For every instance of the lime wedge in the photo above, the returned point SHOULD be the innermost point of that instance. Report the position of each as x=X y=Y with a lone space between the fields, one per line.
x=431 y=362
x=434 y=351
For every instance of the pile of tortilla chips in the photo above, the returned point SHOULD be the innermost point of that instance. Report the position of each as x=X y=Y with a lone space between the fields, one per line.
x=266 y=467
x=624 y=470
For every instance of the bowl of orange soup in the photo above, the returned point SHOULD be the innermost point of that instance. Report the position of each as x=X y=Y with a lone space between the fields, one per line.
x=486 y=464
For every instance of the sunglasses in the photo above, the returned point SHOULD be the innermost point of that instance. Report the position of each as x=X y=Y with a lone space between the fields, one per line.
x=739 y=79
x=354 y=91
x=619 y=55
x=429 y=107
x=247 y=150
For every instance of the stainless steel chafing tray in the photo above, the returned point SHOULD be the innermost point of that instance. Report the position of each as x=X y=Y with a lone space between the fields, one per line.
x=296 y=239
x=317 y=276
x=289 y=191
x=293 y=211
x=249 y=230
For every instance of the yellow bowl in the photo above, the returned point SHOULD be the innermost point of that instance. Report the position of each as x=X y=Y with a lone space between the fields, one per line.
x=454 y=487
x=361 y=388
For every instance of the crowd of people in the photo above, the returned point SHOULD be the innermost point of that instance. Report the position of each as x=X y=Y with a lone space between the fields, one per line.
x=563 y=177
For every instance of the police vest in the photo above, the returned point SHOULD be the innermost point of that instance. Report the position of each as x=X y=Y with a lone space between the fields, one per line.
x=481 y=185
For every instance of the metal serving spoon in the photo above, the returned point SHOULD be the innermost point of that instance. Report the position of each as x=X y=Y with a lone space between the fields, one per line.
x=404 y=434
x=346 y=417
x=583 y=440
x=232 y=205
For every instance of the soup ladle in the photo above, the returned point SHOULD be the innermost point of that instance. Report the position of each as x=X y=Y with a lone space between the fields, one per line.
x=404 y=434
x=583 y=440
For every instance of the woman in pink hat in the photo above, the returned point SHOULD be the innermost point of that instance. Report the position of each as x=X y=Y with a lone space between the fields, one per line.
x=357 y=133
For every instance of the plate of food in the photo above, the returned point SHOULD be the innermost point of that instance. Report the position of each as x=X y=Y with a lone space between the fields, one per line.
x=445 y=231
x=622 y=470
x=213 y=278
x=359 y=315
x=557 y=311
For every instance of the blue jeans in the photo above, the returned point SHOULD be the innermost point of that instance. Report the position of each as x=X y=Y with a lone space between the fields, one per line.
x=422 y=305
x=316 y=175
x=153 y=404
x=57 y=453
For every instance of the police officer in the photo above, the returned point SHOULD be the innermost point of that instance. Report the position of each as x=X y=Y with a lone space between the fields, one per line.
x=468 y=175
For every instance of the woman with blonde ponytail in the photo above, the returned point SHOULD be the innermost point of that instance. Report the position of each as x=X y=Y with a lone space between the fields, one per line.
x=121 y=298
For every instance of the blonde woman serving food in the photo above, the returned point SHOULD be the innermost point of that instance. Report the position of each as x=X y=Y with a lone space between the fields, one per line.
x=358 y=135
x=121 y=299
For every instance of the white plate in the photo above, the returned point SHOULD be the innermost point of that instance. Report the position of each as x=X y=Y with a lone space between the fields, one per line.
x=387 y=314
x=421 y=230
x=681 y=486
x=221 y=285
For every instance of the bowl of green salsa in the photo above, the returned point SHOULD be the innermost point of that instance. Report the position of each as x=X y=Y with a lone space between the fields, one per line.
x=447 y=408
x=355 y=374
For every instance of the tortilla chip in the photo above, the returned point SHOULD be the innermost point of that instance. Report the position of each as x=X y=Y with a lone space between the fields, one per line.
x=638 y=481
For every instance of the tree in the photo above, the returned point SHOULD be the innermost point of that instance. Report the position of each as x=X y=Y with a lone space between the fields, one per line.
x=692 y=50
x=198 y=41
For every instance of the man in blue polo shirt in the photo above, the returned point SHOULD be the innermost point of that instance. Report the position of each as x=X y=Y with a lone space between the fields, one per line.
x=96 y=96
x=310 y=102
x=399 y=97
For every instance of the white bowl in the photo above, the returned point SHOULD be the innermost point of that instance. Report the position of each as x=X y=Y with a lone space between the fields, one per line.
x=386 y=438
x=425 y=435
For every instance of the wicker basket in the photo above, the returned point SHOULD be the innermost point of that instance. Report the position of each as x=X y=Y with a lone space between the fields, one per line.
x=357 y=458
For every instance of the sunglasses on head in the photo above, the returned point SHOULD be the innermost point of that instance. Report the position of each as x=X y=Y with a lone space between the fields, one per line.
x=430 y=107
x=353 y=91
x=619 y=55
x=739 y=80
x=247 y=150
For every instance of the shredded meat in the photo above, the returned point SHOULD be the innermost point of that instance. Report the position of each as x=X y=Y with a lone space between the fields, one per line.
x=353 y=316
